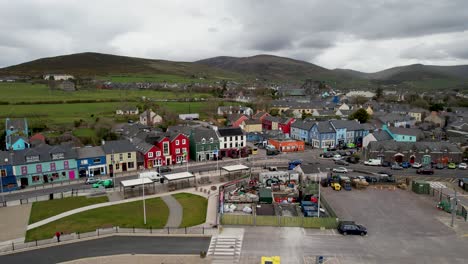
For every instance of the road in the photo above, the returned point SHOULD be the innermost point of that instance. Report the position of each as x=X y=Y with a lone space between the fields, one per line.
x=111 y=246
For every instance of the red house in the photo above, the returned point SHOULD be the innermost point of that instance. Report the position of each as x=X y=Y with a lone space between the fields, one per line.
x=260 y=116
x=152 y=155
x=285 y=125
x=179 y=144
x=235 y=120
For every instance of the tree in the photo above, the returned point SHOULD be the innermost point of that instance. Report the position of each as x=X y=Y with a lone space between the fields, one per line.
x=436 y=107
x=274 y=112
x=361 y=115
x=421 y=103
x=378 y=93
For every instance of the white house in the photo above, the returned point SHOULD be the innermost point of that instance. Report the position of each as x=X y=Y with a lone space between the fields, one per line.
x=344 y=107
x=58 y=77
x=150 y=118
x=127 y=110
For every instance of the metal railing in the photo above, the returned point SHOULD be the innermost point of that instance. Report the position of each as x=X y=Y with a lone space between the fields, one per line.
x=75 y=237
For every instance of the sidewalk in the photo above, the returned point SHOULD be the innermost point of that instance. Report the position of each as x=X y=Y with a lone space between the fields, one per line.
x=14 y=221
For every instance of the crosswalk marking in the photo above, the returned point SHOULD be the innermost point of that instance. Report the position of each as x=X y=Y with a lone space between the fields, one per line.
x=225 y=249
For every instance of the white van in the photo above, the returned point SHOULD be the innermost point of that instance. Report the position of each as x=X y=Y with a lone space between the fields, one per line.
x=152 y=175
x=373 y=162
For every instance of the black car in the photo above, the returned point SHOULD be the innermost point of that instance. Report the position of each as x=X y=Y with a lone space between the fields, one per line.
x=371 y=179
x=425 y=171
x=351 y=228
x=352 y=160
x=327 y=155
x=386 y=164
x=164 y=169
x=341 y=162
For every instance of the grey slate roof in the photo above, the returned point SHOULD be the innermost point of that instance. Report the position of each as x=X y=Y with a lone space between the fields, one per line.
x=325 y=127
x=382 y=135
x=391 y=118
x=417 y=146
x=44 y=152
x=258 y=115
x=303 y=125
x=273 y=119
x=182 y=129
x=5 y=155
x=15 y=138
x=405 y=131
x=118 y=146
x=142 y=146
x=230 y=131
x=16 y=124
x=206 y=133
x=90 y=152
x=350 y=125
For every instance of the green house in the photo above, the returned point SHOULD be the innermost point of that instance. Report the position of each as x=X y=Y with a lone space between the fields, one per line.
x=204 y=144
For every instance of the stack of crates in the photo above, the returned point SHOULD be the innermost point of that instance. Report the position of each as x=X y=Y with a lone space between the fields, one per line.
x=421 y=187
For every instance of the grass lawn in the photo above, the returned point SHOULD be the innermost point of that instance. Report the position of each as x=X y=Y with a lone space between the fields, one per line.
x=194 y=208
x=122 y=215
x=84 y=132
x=46 y=209
x=158 y=78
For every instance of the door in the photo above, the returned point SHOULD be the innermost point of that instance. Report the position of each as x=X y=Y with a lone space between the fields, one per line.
x=168 y=161
x=71 y=175
x=124 y=166
x=111 y=170
x=412 y=158
x=44 y=177
x=24 y=182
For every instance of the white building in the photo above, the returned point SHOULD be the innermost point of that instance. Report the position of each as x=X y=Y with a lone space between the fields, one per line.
x=58 y=77
x=149 y=118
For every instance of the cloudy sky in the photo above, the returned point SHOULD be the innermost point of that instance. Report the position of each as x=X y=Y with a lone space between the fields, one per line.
x=369 y=36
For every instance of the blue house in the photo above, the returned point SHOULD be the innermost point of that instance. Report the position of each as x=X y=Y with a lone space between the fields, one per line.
x=349 y=131
x=44 y=164
x=7 y=178
x=300 y=130
x=401 y=134
x=322 y=135
x=16 y=134
x=91 y=161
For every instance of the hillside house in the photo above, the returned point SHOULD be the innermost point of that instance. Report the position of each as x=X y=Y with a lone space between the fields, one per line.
x=150 y=118
x=127 y=110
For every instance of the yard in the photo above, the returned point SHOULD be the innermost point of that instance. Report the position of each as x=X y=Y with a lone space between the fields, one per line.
x=122 y=215
x=194 y=209
x=46 y=209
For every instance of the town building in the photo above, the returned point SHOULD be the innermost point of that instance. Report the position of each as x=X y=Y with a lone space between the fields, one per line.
x=91 y=161
x=232 y=141
x=16 y=134
x=204 y=144
x=7 y=177
x=150 y=118
x=127 y=110
x=120 y=156
x=287 y=145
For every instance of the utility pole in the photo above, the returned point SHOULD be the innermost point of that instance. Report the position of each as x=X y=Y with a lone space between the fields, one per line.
x=318 y=183
x=144 y=204
x=454 y=207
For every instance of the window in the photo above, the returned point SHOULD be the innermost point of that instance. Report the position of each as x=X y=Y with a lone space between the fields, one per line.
x=241 y=137
x=32 y=158
x=225 y=145
x=38 y=168
x=230 y=138
x=120 y=156
x=166 y=148
x=35 y=178
x=150 y=154
x=230 y=145
x=3 y=173
x=64 y=174
x=203 y=141
x=177 y=151
x=183 y=141
x=112 y=158
x=117 y=166
x=131 y=165
x=56 y=156
x=211 y=140
x=158 y=153
x=24 y=170
x=129 y=155
x=403 y=137
x=236 y=138
x=65 y=165
x=411 y=138
x=97 y=160
x=84 y=162
x=177 y=142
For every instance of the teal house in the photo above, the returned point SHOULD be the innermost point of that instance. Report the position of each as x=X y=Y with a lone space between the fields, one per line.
x=16 y=134
x=401 y=134
x=44 y=164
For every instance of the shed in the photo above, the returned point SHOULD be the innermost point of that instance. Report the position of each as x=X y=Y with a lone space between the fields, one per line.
x=125 y=185
x=265 y=195
x=421 y=187
x=178 y=176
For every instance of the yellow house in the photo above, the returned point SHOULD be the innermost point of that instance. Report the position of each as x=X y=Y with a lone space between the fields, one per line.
x=252 y=126
x=120 y=156
x=369 y=110
x=417 y=114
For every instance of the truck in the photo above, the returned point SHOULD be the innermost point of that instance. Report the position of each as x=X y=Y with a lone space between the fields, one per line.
x=345 y=183
x=373 y=162
x=152 y=175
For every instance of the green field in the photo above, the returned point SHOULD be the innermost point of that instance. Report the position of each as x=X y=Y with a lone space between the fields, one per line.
x=25 y=92
x=46 y=209
x=123 y=215
x=194 y=209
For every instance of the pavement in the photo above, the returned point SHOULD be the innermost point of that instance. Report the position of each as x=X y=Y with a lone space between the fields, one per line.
x=14 y=221
x=143 y=259
x=114 y=245
x=175 y=211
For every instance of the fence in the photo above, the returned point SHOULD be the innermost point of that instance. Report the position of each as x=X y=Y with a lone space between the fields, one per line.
x=438 y=195
x=287 y=221
x=109 y=231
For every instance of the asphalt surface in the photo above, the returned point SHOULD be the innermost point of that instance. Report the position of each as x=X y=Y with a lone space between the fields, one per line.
x=111 y=246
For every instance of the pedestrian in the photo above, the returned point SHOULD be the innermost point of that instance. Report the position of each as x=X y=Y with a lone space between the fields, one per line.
x=57 y=234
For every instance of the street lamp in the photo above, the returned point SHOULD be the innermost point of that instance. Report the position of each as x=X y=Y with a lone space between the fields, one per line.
x=144 y=204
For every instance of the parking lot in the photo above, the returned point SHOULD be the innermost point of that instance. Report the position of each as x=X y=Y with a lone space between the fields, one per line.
x=388 y=212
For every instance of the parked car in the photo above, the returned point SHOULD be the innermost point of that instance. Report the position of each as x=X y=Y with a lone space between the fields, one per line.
x=164 y=169
x=104 y=183
x=336 y=186
x=452 y=165
x=439 y=166
x=352 y=160
x=425 y=171
x=384 y=173
x=416 y=165
x=351 y=228
x=462 y=166
x=340 y=170
x=395 y=166
x=371 y=179
x=91 y=180
x=373 y=162
x=386 y=164
x=337 y=157
x=405 y=165
x=341 y=162
x=327 y=155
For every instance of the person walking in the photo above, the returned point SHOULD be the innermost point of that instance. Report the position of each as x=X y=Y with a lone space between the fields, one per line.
x=57 y=234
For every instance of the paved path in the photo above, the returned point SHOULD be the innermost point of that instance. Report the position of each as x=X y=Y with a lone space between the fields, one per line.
x=13 y=221
x=175 y=211
x=111 y=246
